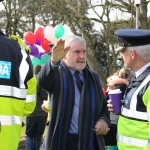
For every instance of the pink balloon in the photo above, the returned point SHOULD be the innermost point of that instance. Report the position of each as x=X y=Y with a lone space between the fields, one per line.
x=29 y=37
x=49 y=34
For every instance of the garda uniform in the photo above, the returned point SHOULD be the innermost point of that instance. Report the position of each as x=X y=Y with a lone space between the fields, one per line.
x=17 y=89
x=134 y=120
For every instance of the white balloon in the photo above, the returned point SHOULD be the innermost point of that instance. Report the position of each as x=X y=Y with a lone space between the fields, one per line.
x=67 y=31
x=49 y=34
x=40 y=48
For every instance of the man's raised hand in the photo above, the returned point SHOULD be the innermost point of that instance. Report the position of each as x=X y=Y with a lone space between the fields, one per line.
x=59 y=51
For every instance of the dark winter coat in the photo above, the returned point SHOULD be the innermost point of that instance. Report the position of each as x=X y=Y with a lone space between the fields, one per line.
x=59 y=82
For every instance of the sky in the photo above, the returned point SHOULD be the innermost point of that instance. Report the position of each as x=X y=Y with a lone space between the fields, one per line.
x=113 y=15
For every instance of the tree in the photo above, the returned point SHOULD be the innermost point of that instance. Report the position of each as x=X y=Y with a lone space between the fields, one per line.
x=109 y=15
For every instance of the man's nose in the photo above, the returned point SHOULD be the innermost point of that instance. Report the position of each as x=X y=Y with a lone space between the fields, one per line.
x=82 y=55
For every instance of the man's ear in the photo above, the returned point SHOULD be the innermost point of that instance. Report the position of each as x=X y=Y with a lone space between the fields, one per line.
x=133 y=53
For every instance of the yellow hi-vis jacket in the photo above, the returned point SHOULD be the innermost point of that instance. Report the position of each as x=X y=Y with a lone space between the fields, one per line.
x=134 y=121
x=17 y=90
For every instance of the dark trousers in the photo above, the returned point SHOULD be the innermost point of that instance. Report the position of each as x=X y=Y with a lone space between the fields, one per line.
x=34 y=130
x=110 y=137
x=72 y=142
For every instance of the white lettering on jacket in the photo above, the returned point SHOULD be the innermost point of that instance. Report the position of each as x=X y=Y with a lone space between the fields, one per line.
x=5 y=69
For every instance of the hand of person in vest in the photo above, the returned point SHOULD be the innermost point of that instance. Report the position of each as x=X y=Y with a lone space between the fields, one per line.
x=110 y=105
x=101 y=127
x=59 y=51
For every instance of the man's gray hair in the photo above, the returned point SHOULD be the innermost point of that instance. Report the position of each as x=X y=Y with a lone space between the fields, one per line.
x=143 y=51
x=74 y=38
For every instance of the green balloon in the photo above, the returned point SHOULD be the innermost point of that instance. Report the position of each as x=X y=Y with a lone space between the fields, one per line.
x=45 y=58
x=36 y=61
x=59 y=31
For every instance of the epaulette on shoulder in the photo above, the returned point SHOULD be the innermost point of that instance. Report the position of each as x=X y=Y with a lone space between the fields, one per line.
x=20 y=42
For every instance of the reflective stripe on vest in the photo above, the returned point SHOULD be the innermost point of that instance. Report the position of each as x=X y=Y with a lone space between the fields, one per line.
x=148 y=116
x=9 y=120
x=131 y=141
x=23 y=68
x=132 y=112
x=13 y=91
x=134 y=97
x=30 y=98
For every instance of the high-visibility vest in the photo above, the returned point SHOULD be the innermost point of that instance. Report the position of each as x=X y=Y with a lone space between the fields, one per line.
x=17 y=90
x=133 y=125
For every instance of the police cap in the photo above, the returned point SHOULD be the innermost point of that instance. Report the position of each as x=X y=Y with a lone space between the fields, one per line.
x=132 y=37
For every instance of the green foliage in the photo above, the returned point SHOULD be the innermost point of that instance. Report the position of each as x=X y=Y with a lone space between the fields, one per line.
x=100 y=51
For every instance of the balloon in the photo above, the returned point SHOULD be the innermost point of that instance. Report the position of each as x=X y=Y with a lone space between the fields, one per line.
x=36 y=61
x=45 y=45
x=38 y=42
x=42 y=53
x=67 y=32
x=34 y=50
x=45 y=58
x=29 y=37
x=59 y=31
x=38 y=55
x=40 y=48
x=49 y=34
x=39 y=33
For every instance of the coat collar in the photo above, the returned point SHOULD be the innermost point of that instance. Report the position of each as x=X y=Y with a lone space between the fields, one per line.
x=1 y=32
